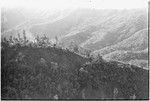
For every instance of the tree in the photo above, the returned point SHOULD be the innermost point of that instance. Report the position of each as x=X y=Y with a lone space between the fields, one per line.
x=73 y=47
x=20 y=39
x=11 y=39
x=88 y=52
x=76 y=48
x=25 y=37
x=56 y=39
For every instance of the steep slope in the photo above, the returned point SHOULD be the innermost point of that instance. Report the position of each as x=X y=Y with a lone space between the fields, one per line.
x=108 y=27
x=137 y=42
x=118 y=28
x=92 y=29
x=126 y=56
x=132 y=50
x=112 y=23
x=140 y=63
x=129 y=57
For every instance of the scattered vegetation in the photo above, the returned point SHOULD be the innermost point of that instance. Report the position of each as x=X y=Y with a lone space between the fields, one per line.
x=128 y=56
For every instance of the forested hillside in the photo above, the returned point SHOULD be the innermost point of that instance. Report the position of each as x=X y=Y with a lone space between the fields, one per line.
x=42 y=70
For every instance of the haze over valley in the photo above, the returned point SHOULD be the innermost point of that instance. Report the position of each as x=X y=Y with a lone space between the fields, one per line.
x=74 y=49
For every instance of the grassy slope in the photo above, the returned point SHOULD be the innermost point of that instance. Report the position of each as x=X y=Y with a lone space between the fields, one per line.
x=87 y=24
x=132 y=50
x=137 y=42
x=136 y=58
x=126 y=56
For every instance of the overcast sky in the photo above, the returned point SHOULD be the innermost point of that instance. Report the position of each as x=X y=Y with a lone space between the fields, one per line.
x=63 y=4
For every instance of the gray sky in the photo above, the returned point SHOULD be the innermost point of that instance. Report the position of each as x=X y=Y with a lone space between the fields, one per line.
x=63 y=4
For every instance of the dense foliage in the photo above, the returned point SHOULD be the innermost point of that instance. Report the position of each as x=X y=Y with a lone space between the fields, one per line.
x=41 y=70
x=26 y=75
x=125 y=78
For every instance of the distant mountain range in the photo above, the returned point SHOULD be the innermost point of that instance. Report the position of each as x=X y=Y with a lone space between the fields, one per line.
x=120 y=35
